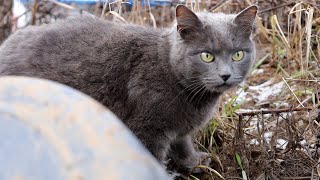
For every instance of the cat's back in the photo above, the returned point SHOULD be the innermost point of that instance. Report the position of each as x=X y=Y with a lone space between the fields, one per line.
x=82 y=38
x=54 y=33
x=78 y=27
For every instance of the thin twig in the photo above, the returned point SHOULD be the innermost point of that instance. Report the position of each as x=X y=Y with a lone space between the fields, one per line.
x=305 y=177
x=306 y=80
x=34 y=12
x=270 y=111
x=62 y=4
x=104 y=9
x=218 y=5
x=309 y=29
x=275 y=7
x=292 y=92
x=17 y=17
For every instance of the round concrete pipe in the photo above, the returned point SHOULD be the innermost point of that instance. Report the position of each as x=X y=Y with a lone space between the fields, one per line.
x=51 y=131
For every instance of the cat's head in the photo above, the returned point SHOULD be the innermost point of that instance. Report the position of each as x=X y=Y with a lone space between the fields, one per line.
x=213 y=51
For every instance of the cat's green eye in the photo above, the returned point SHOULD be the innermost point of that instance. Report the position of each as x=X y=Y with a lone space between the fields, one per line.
x=238 y=56
x=207 y=57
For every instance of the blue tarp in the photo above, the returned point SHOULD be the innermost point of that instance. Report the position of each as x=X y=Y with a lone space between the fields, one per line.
x=90 y=2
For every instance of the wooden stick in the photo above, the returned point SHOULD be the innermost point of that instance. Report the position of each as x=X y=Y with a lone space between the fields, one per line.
x=62 y=4
x=277 y=111
x=217 y=5
x=34 y=12
x=292 y=92
x=275 y=7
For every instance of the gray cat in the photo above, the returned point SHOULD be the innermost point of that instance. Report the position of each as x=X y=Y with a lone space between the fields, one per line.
x=163 y=83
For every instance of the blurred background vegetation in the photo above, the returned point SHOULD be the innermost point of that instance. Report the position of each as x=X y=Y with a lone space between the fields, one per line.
x=5 y=18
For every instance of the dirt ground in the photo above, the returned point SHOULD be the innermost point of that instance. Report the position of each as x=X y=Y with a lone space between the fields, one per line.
x=271 y=121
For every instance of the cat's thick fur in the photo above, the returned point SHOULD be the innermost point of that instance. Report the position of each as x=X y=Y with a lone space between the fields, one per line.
x=152 y=79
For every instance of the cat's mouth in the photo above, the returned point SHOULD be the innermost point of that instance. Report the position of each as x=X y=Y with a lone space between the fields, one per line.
x=220 y=88
x=224 y=85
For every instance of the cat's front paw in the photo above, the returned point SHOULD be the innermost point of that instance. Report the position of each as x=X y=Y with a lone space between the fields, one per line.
x=198 y=158
x=204 y=159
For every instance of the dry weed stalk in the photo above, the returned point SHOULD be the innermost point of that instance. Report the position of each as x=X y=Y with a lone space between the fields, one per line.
x=34 y=11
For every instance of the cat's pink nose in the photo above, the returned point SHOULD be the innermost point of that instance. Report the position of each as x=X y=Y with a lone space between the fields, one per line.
x=225 y=77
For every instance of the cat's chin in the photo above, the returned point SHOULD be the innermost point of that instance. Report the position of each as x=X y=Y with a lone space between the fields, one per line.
x=220 y=88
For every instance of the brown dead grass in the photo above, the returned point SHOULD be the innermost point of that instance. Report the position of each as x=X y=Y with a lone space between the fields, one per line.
x=289 y=33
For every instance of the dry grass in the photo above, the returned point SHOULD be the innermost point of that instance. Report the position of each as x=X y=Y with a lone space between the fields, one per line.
x=288 y=43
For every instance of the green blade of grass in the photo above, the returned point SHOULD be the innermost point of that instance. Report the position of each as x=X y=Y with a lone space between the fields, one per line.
x=239 y=161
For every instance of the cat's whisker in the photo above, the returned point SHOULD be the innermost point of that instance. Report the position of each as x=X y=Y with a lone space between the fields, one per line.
x=240 y=78
x=203 y=92
x=207 y=77
x=195 y=94
x=212 y=82
x=190 y=79
x=194 y=89
x=202 y=89
x=190 y=86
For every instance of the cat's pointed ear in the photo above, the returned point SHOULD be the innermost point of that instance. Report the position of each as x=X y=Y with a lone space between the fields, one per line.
x=187 y=21
x=246 y=18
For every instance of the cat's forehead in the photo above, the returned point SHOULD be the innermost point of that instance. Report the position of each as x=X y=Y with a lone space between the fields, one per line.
x=220 y=20
x=220 y=24
x=221 y=28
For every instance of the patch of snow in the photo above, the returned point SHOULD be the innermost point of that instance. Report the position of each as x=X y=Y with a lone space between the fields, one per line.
x=260 y=92
x=267 y=136
x=250 y=129
x=254 y=142
x=253 y=123
x=303 y=142
x=19 y=9
x=282 y=144
x=241 y=95
x=257 y=71
x=301 y=123
x=278 y=104
x=266 y=90
x=243 y=110
x=312 y=146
